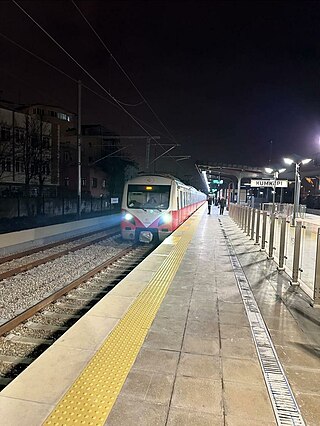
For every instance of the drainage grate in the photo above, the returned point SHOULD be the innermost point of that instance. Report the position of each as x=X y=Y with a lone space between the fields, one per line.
x=283 y=401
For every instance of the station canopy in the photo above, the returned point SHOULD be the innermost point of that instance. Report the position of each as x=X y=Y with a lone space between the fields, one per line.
x=233 y=172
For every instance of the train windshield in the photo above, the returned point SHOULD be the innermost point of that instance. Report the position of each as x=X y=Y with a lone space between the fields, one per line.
x=148 y=196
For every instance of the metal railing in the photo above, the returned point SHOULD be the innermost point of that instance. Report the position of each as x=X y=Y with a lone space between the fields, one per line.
x=295 y=249
x=285 y=209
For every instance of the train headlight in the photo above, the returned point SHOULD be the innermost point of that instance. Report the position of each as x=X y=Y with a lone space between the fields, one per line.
x=129 y=217
x=165 y=218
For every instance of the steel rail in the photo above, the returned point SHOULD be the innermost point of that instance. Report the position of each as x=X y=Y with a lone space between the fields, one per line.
x=33 y=264
x=28 y=313
x=20 y=254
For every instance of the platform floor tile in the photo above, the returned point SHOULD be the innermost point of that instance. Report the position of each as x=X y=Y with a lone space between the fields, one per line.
x=131 y=412
x=182 y=417
x=198 y=394
x=56 y=363
x=249 y=402
x=199 y=365
x=14 y=411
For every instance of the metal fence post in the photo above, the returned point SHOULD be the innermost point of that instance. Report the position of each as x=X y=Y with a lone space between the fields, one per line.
x=264 y=229
x=248 y=221
x=316 y=288
x=282 y=243
x=271 y=236
x=253 y=219
x=296 y=254
x=257 y=227
x=242 y=217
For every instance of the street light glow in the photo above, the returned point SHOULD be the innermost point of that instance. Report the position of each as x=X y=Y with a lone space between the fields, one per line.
x=268 y=170
x=288 y=161
x=282 y=170
x=306 y=161
x=297 y=185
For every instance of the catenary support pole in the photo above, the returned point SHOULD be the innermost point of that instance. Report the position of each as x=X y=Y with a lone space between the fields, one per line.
x=79 y=149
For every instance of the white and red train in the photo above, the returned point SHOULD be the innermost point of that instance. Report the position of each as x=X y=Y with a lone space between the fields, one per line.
x=153 y=206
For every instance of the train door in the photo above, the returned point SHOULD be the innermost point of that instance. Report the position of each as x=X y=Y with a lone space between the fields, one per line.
x=181 y=206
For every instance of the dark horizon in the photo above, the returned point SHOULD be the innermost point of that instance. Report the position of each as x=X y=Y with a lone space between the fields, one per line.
x=226 y=78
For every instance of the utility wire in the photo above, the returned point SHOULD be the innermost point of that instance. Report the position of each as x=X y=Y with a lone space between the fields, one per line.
x=89 y=75
x=75 y=81
x=121 y=68
x=131 y=105
x=85 y=71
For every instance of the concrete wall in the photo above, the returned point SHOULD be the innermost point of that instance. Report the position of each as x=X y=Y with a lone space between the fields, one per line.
x=29 y=238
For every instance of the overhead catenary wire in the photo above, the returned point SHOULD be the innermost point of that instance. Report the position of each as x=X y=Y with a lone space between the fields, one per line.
x=85 y=71
x=122 y=69
x=90 y=76
x=99 y=95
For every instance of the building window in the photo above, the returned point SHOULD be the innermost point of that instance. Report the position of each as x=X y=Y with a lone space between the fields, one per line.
x=94 y=183
x=104 y=183
x=3 y=165
x=46 y=141
x=5 y=133
x=8 y=166
x=83 y=181
x=19 y=134
x=18 y=166
x=66 y=156
x=66 y=181
x=48 y=169
x=34 y=141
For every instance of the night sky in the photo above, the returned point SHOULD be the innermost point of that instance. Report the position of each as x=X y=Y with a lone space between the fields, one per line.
x=224 y=77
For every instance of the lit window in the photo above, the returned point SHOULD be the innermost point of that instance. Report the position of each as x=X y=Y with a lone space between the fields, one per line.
x=66 y=181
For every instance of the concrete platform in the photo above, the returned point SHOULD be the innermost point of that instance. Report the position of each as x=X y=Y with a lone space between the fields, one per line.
x=197 y=364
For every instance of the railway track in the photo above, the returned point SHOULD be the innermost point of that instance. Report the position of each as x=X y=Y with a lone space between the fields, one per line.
x=31 y=332
x=24 y=261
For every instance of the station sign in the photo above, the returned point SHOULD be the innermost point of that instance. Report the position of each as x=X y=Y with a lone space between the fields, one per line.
x=114 y=200
x=258 y=183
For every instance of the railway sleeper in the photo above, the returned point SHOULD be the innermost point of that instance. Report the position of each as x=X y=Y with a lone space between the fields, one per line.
x=29 y=340
x=83 y=298
x=47 y=327
x=61 y=316
x=9 y=359
x=4 y=381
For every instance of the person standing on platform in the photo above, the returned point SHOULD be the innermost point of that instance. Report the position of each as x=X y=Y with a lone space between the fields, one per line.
x=222 y=204
x=209 y=204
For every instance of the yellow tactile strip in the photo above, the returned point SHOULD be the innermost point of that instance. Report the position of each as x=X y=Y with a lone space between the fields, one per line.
x=91 y=397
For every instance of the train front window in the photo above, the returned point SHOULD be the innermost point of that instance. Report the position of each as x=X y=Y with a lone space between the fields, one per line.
x=148 y=196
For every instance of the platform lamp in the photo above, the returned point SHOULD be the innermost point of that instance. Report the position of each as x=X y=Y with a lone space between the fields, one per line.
x=275 y=173
x=297 y=185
